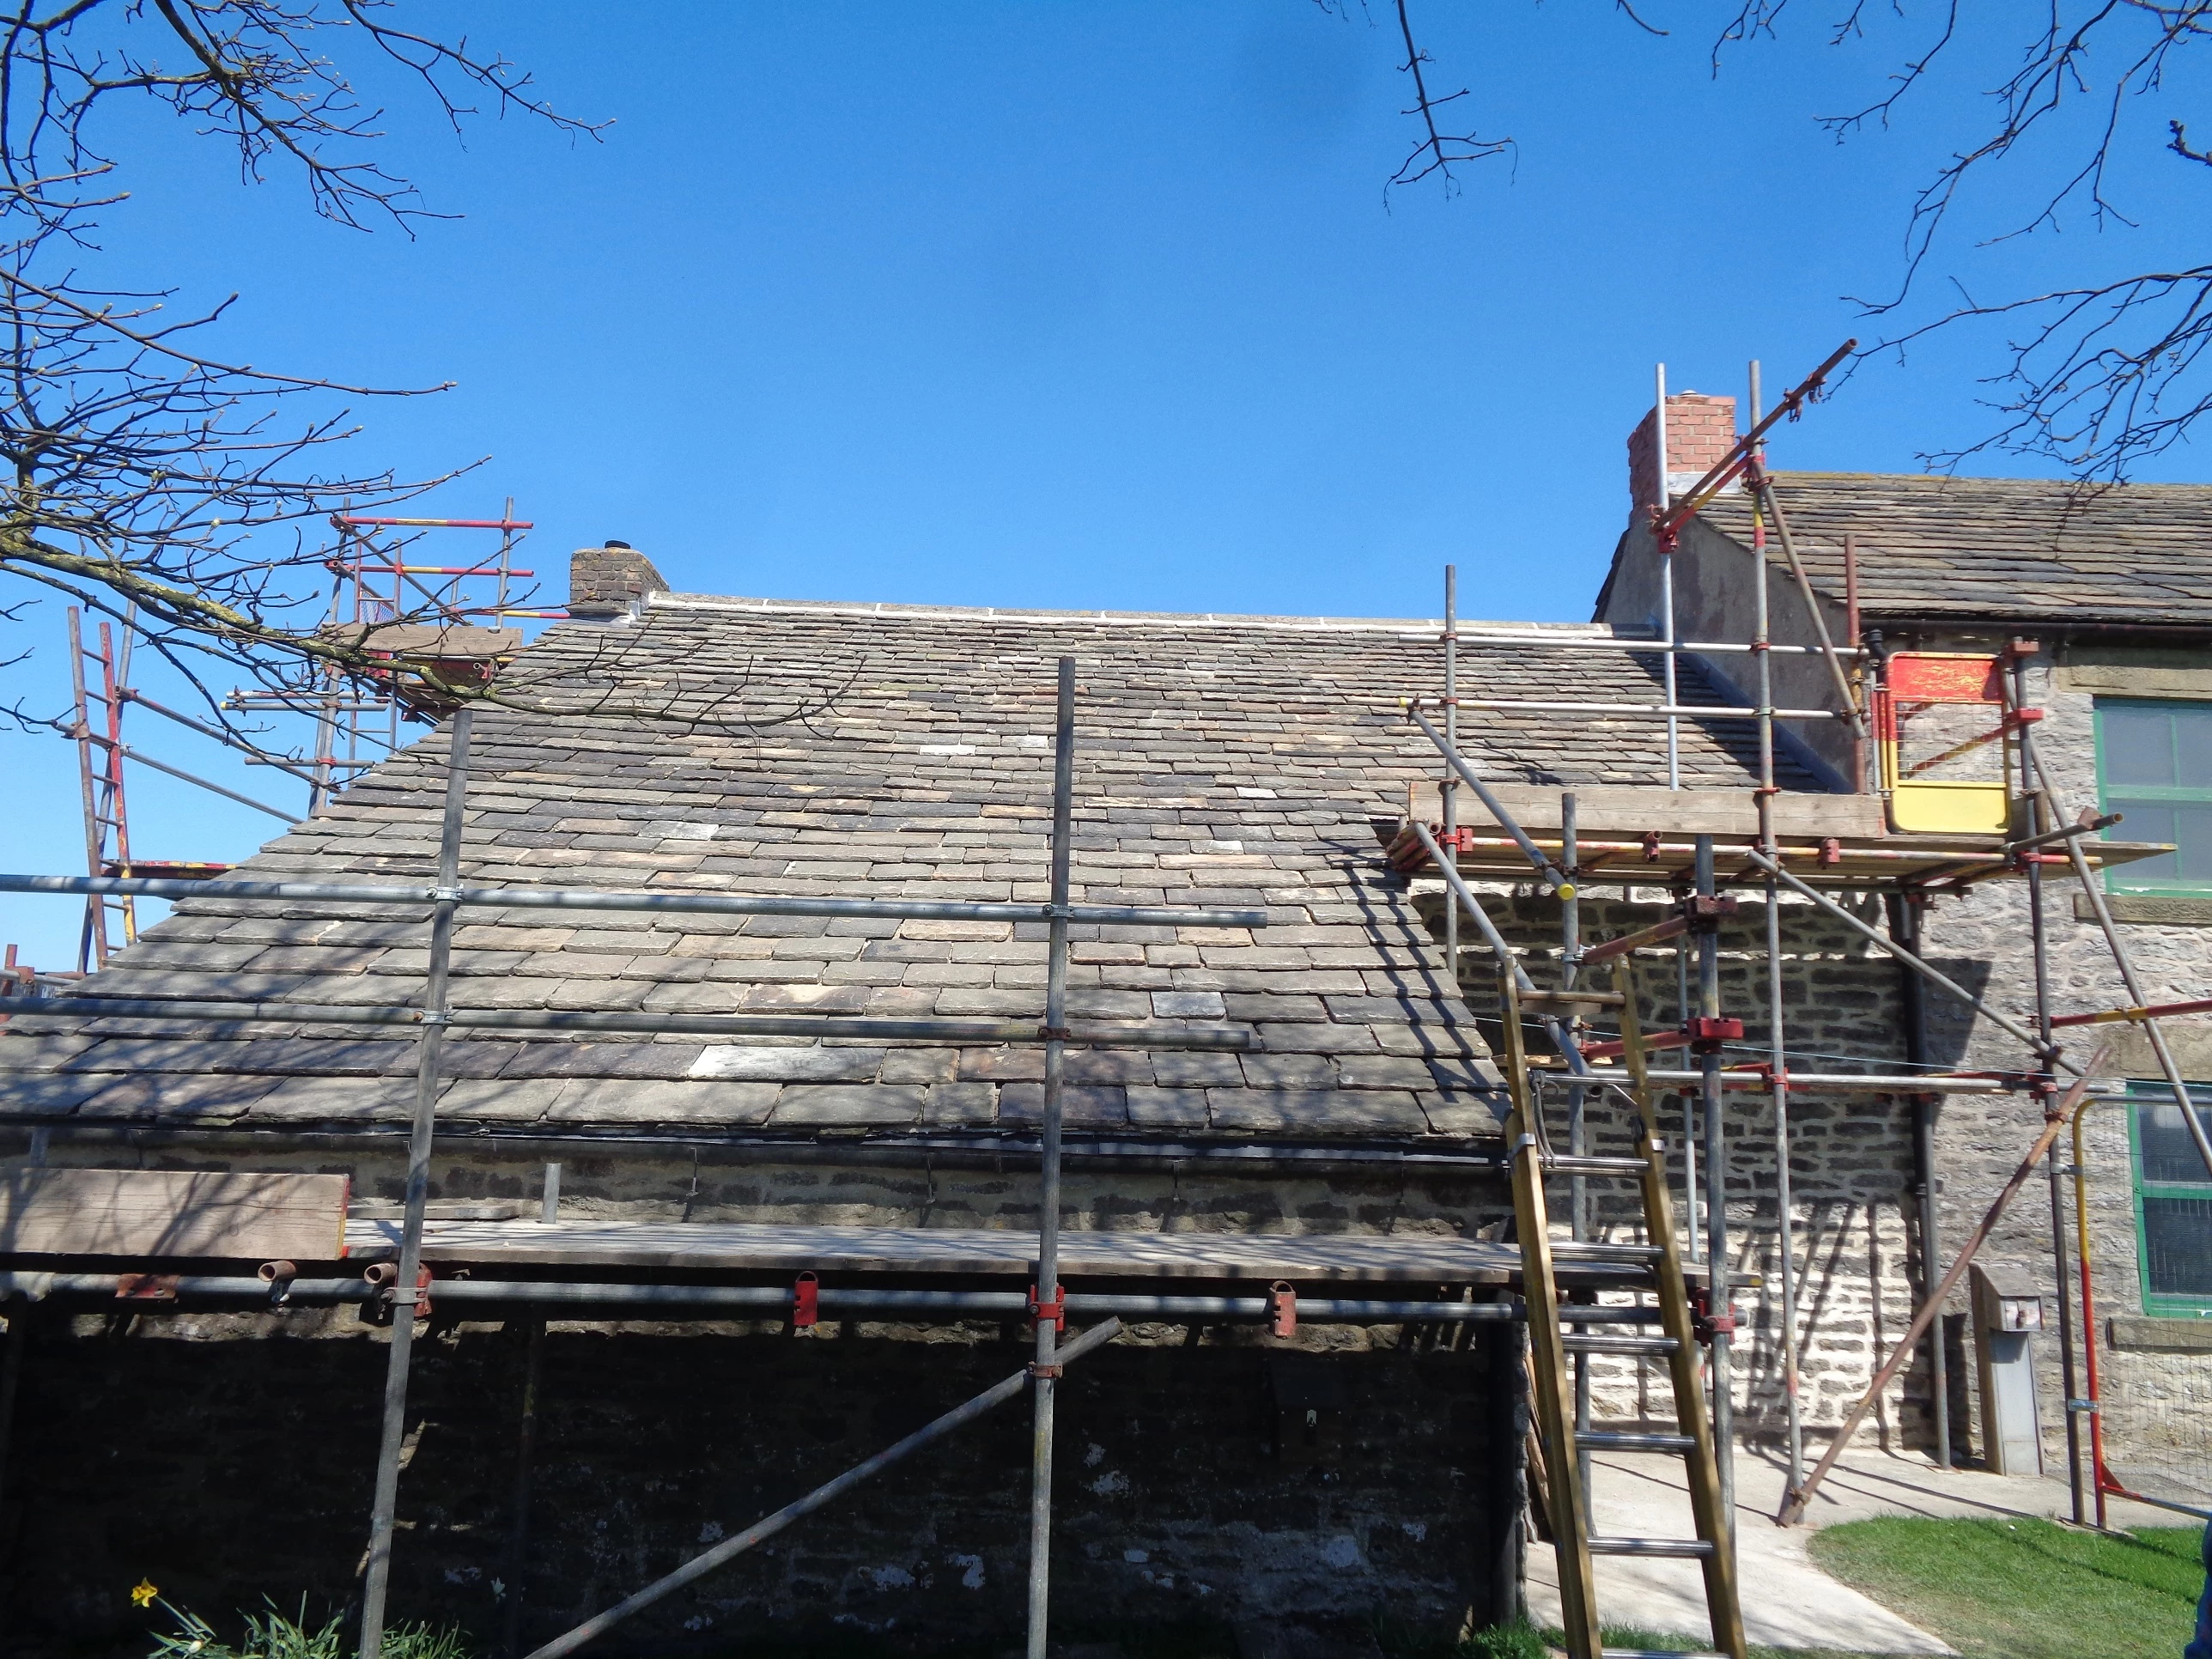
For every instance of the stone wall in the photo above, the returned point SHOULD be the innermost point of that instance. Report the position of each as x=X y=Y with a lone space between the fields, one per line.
x=1851 y=1154
x=227 y=1470
x=2156 y=1399
x=238 y=1464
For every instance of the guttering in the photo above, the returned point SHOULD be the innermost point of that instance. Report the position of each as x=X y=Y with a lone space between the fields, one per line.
x=1458 y=1157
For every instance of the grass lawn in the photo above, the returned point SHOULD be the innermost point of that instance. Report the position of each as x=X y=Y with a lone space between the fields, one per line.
x=2026 y=1589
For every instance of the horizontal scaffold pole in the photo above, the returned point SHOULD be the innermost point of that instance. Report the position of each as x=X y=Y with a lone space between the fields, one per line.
x=775 y=1301
x=704 y=904
x=2136 y=1016
x=1664 y=710
x=700 y=1565
x=1642 y=648
x=1834 y=1083
x=533 y=1019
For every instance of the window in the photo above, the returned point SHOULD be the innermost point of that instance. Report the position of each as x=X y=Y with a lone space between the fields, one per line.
x=2154 y=766
x=2174 y=1202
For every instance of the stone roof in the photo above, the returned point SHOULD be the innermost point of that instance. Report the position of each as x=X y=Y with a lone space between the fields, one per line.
x=877 y=750
x=1999 y=550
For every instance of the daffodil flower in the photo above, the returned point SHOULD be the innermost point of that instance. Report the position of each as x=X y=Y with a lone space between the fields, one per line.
x=142 y=1593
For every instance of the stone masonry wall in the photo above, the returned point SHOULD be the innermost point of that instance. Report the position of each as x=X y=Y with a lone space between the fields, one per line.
x=1851 y=1163
x=2155 y=1402
x=237 y=1465
x=226 y=1471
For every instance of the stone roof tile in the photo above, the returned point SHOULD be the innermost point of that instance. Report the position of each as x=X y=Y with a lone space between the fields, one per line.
x=1998 y=550
x=878 y=751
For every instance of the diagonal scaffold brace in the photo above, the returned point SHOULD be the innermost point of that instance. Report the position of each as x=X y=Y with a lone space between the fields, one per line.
x=2056 y=1119
x=767 y=1528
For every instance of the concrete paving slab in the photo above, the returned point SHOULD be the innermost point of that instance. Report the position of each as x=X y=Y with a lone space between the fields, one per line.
x=1788 y=1601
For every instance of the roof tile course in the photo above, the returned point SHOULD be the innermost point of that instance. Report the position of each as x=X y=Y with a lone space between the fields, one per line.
x=868 y=752
x=1983 y=550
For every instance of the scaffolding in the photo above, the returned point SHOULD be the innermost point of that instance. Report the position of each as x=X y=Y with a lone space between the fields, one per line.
x=409 y=613
x=403 y=613
x=398 y=1285
x=1700 y=868
x=2031 y=829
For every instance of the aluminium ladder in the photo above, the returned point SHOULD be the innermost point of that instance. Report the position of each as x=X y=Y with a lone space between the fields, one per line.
x=1713 y=1547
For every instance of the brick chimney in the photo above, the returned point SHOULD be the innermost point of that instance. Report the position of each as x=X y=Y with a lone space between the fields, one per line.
x=604 y=580
x=1699 y=431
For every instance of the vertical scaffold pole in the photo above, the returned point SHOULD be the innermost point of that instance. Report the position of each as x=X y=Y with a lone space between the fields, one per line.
x=1578 y=1208
x=1905 y=909
x=1716 y=1244
x=525 y=1439
x=92 y=945
x=2040 y=939
x=18 y=1319
x=1047 y=1293
x=1449 y=789
x=1666 y=579
x=428 y=1054
x=1692 y=1205
x=1778 y=1065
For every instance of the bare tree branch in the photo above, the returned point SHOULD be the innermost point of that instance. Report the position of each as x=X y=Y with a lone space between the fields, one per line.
x=1438 y=151
x=182 y=492
x=2096 y=375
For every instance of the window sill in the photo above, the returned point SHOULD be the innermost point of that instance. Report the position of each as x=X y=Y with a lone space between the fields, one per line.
x=2149 y=907
x=2135 y=1334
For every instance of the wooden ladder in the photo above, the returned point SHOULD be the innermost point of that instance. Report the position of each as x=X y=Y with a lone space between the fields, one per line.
x=1713 y=1547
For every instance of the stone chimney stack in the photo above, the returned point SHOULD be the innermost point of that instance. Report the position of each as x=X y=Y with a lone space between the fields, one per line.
x=605 y=581
x=1700 y=430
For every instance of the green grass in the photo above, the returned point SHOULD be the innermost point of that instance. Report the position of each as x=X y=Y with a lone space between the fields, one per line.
x=2026 y=1589
x=271 y=1635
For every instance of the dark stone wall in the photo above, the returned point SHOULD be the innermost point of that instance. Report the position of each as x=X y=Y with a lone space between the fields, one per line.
x=229 y=1469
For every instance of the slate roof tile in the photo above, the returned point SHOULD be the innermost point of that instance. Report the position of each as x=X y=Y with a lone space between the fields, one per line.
x=923 y=770
x=1996 y=549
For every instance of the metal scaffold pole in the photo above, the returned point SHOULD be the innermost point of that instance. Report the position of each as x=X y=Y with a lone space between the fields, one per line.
x=1448 y=787
x=1665 y=500
x=1778 y=1064
x=1045 y=1297
x=1717 y=1242
x=2039 y=948
x=1578 y=1215
x=420 y=1138
x=2125 y=964
x=526 y=1448
x=1905 y=909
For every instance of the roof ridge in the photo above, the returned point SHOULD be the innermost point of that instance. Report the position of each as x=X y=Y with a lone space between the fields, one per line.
x=1424 y=625
x=1781 y=474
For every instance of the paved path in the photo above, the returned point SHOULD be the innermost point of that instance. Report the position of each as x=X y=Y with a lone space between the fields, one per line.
x=1788 y=1602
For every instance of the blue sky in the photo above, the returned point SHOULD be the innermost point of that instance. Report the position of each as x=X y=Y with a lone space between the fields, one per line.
x=1100 y=306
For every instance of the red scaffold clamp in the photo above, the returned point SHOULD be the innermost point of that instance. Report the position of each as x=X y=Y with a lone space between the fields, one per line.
x=1056 y=1309
x=1707 y=1034
x=1704 y=1323
x=805 y=1300
x=1283 y=1308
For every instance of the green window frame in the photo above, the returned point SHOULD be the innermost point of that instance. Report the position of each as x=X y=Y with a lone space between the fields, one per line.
x=2172 y=1202
x=2154 y=767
